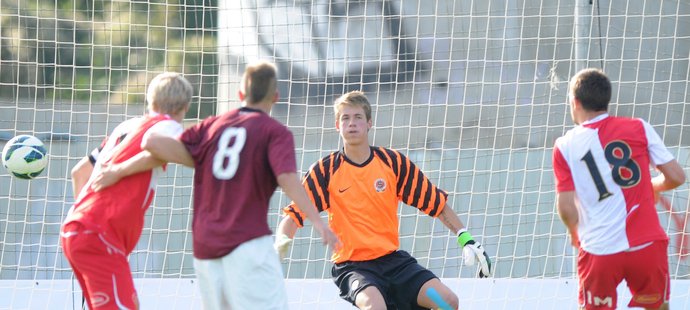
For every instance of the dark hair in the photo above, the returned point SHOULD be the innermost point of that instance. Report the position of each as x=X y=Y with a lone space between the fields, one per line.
x=592 y=88
x=259 y=80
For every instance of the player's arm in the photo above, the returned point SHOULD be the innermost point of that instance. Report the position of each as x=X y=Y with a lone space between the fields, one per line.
x=450 y=219
x=141 y=162
x=672 y=176
x=287 y=227
x=472 y=251
x=293 y=188
x=284 y=236
x=565 y=193
x=111 y=174
x=168 y=149
x=433 y=201
x=81 y=172
x=567 y=210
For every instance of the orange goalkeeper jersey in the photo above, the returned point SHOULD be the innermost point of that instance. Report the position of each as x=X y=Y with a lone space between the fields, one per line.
x=362 y=200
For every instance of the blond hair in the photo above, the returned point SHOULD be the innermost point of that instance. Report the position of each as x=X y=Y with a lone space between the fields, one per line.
x=354 y=98
x=259 y=81
x=168 y=93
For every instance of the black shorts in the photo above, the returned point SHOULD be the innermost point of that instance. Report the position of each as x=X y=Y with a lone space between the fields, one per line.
x=397 y=276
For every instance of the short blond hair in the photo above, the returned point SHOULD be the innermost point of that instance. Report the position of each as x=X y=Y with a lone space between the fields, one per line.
x=168 y=93
x=259 y=81
x=354 y=98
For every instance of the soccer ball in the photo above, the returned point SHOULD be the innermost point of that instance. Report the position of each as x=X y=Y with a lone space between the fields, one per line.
x=24 y=156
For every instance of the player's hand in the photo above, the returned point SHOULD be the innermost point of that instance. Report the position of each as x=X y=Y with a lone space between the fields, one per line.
x=105 y=177
x=574 y=239
x=328 y=238
x=282 y=245
x=472 y=251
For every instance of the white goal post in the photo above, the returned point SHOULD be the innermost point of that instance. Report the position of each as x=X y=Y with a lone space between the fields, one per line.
x=472 y=91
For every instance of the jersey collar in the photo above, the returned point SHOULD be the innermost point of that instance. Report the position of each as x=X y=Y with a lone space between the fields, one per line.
x=596 y=119
x=248 y=109
x=371 y=156
x=154 y=114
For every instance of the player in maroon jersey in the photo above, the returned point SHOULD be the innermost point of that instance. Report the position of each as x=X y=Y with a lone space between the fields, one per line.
x=606 y=198
x=239 y=157
x=103 y=227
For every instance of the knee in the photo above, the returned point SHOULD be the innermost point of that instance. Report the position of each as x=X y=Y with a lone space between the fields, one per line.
x=452 y=300
x=663 y=306
x=370 y=304
x=371 y=299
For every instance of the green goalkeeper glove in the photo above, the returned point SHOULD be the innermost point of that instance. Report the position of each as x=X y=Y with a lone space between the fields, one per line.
x=282 y=245
x=473 y=251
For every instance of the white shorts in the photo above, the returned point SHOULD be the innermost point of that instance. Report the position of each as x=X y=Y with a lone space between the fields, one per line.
x=250 y=277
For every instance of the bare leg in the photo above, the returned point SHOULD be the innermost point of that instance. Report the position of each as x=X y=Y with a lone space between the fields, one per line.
x=445 y=292
x=371 y=299
x=664 y=306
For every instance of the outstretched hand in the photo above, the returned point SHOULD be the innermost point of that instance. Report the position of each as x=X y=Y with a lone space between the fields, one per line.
x=574 y=239
x=472 y=251
x=328 y=238
x=106 y=176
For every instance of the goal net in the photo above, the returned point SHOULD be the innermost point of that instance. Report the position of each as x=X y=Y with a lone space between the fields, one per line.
x=474 y=92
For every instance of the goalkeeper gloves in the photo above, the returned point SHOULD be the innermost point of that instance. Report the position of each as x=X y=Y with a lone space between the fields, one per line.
x=282 y=245
x=473 y=251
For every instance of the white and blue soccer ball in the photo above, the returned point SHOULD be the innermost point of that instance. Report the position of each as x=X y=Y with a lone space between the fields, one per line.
x=25 y=157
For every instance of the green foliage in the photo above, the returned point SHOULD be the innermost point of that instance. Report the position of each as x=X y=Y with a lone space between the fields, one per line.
x=106 y=51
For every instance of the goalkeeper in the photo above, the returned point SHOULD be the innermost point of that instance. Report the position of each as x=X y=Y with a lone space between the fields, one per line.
x=360 y=187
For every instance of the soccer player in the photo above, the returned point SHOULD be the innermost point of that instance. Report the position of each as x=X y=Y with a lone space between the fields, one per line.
x=360 y=187
x=606 y=198
x=239 y=157
x=103 y=227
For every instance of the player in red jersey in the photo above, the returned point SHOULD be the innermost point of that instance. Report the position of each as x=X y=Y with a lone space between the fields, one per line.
x=239 y=157
x=103 y=227
x=360 y=187
x=606 y=198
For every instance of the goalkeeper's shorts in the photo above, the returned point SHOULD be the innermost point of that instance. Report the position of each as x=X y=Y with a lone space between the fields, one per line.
x=397 y=276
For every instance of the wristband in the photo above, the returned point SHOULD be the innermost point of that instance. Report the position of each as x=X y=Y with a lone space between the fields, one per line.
x=464 y=236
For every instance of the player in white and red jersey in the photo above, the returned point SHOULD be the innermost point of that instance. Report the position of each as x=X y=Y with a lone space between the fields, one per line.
x=103 y=227
x=606 y=198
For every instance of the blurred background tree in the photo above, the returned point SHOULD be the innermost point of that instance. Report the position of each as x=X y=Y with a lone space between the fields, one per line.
x=105 y=52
